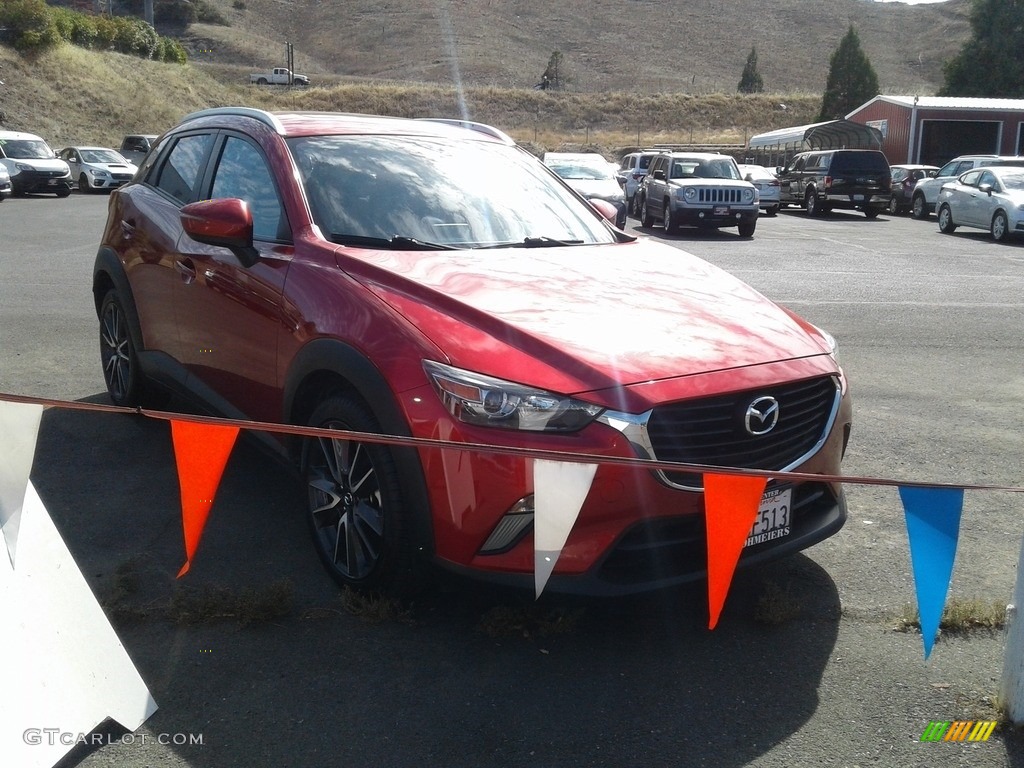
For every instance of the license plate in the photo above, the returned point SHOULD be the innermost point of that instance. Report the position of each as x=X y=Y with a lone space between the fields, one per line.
x=52 y=182
x=773 y=517
x=858 y=197
x=721 y=210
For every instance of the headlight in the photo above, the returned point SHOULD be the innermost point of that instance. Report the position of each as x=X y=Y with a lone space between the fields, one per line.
x=23 y=167
x=830 y=342
x=99 y=174
x=690 y=193
x=489 y=402
x=748 y=195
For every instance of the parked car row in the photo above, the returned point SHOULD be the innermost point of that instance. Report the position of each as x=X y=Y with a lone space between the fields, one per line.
x=29 y=165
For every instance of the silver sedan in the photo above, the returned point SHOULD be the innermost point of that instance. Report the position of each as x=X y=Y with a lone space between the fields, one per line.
x=989 y=198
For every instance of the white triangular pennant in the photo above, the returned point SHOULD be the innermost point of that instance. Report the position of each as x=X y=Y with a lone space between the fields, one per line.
x=19 y=428
x=63 y=666
x=559 y=490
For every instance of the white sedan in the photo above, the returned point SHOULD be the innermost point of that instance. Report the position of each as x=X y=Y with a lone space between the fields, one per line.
x=989 y=198
x=767 y=186
x=97 y=167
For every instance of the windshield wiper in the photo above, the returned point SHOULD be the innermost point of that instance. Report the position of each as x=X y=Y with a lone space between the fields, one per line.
x=536 y=242
x=396 y=243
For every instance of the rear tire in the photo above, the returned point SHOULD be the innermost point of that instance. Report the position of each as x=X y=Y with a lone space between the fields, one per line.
x=811 y=203
x=894 y=207
x=356 y=510
x=872 y=213
x=772 y=210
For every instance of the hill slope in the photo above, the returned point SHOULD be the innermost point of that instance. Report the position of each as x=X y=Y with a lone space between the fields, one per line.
x=651 y=46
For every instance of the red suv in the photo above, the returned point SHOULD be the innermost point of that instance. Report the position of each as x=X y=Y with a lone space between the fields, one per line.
x=429 y=280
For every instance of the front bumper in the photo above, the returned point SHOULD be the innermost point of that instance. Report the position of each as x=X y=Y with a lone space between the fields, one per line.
x=634 y=533
x=714 y=216
x=110 y=182
x=38 y=181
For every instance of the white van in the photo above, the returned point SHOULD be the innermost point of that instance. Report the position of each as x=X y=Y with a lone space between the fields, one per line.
x=32 y=165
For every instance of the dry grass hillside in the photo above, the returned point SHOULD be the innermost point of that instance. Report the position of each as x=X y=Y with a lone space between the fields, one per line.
x=647 y=46
x=69 y=95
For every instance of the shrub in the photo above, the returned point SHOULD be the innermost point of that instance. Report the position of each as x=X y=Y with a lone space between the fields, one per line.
x=30 y=23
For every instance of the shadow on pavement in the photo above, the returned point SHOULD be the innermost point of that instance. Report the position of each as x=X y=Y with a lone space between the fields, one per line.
x=465 y=677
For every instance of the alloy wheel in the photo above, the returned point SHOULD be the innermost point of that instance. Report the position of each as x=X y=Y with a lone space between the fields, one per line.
x=346 y=504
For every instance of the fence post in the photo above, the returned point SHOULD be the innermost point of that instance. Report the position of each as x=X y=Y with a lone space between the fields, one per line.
x=1011 y=688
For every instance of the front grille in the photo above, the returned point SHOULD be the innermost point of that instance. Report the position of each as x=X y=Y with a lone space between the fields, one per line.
x=713 y=431
x=719 y=195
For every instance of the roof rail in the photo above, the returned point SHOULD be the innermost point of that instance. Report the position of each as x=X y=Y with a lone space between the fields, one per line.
x=487 y=130
x=256 y=114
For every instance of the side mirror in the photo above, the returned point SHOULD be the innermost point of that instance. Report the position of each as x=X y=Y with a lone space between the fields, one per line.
x=659 y=174
x=226 y=223
x=986 y=188
x=606 y=209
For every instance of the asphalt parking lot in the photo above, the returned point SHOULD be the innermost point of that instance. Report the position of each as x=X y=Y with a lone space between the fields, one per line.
x=929 y=328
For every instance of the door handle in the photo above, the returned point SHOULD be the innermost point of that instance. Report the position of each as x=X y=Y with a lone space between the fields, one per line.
x=186 y=269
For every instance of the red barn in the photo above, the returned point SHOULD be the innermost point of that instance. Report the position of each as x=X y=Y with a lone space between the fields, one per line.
x=935 y=129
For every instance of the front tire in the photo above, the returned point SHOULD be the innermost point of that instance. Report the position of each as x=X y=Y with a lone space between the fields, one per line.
x=64 y=192
x=667 y=221
x=747 y=228
x=356 y=510
x=946 y=225
x=1000 y=227
x=83 y=184
x=646 y=219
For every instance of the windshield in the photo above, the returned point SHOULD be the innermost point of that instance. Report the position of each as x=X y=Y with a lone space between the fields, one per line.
x=723 y=168
x=26 y=149
x=1013 y=181
x=101 y=156
x=364 y=190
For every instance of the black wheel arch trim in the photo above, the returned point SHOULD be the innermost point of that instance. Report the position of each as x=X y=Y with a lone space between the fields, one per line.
x=108 y=264
x=338 y=360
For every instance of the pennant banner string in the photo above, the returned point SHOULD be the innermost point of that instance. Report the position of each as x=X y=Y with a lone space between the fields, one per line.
x=421 y=442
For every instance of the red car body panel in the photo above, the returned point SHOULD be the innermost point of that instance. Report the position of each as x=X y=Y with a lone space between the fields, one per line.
x=629 y=326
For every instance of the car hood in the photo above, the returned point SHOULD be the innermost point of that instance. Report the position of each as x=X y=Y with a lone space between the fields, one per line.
x=113 y=166
x=603 y=188
x=583 y=318
x=37 y=163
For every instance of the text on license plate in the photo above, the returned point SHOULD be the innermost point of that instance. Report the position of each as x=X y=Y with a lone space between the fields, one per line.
x=721 y=210
x=773 y=517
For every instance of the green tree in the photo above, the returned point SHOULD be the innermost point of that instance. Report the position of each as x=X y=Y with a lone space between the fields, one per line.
x=552 y=77
x=750 y=80
x=991 y=63
x=851 y=79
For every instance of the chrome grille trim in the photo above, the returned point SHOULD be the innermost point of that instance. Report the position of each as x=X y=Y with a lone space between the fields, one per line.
x=636 y=429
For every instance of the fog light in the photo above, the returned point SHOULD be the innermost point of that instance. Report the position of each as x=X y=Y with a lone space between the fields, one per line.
x=511 y=528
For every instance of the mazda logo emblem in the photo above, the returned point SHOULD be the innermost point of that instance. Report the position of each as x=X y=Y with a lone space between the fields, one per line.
x=762 y=415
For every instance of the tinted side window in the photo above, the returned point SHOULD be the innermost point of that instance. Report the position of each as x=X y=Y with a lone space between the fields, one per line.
x=874 y=162
x=242 y=172
x=181 y=174
x=971 y=179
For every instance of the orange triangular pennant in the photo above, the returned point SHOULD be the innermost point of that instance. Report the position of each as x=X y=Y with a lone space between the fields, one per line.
x=730 y=508
x=201 y=452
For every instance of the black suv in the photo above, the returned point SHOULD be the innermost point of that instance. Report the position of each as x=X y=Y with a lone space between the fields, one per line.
x=856 y=179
